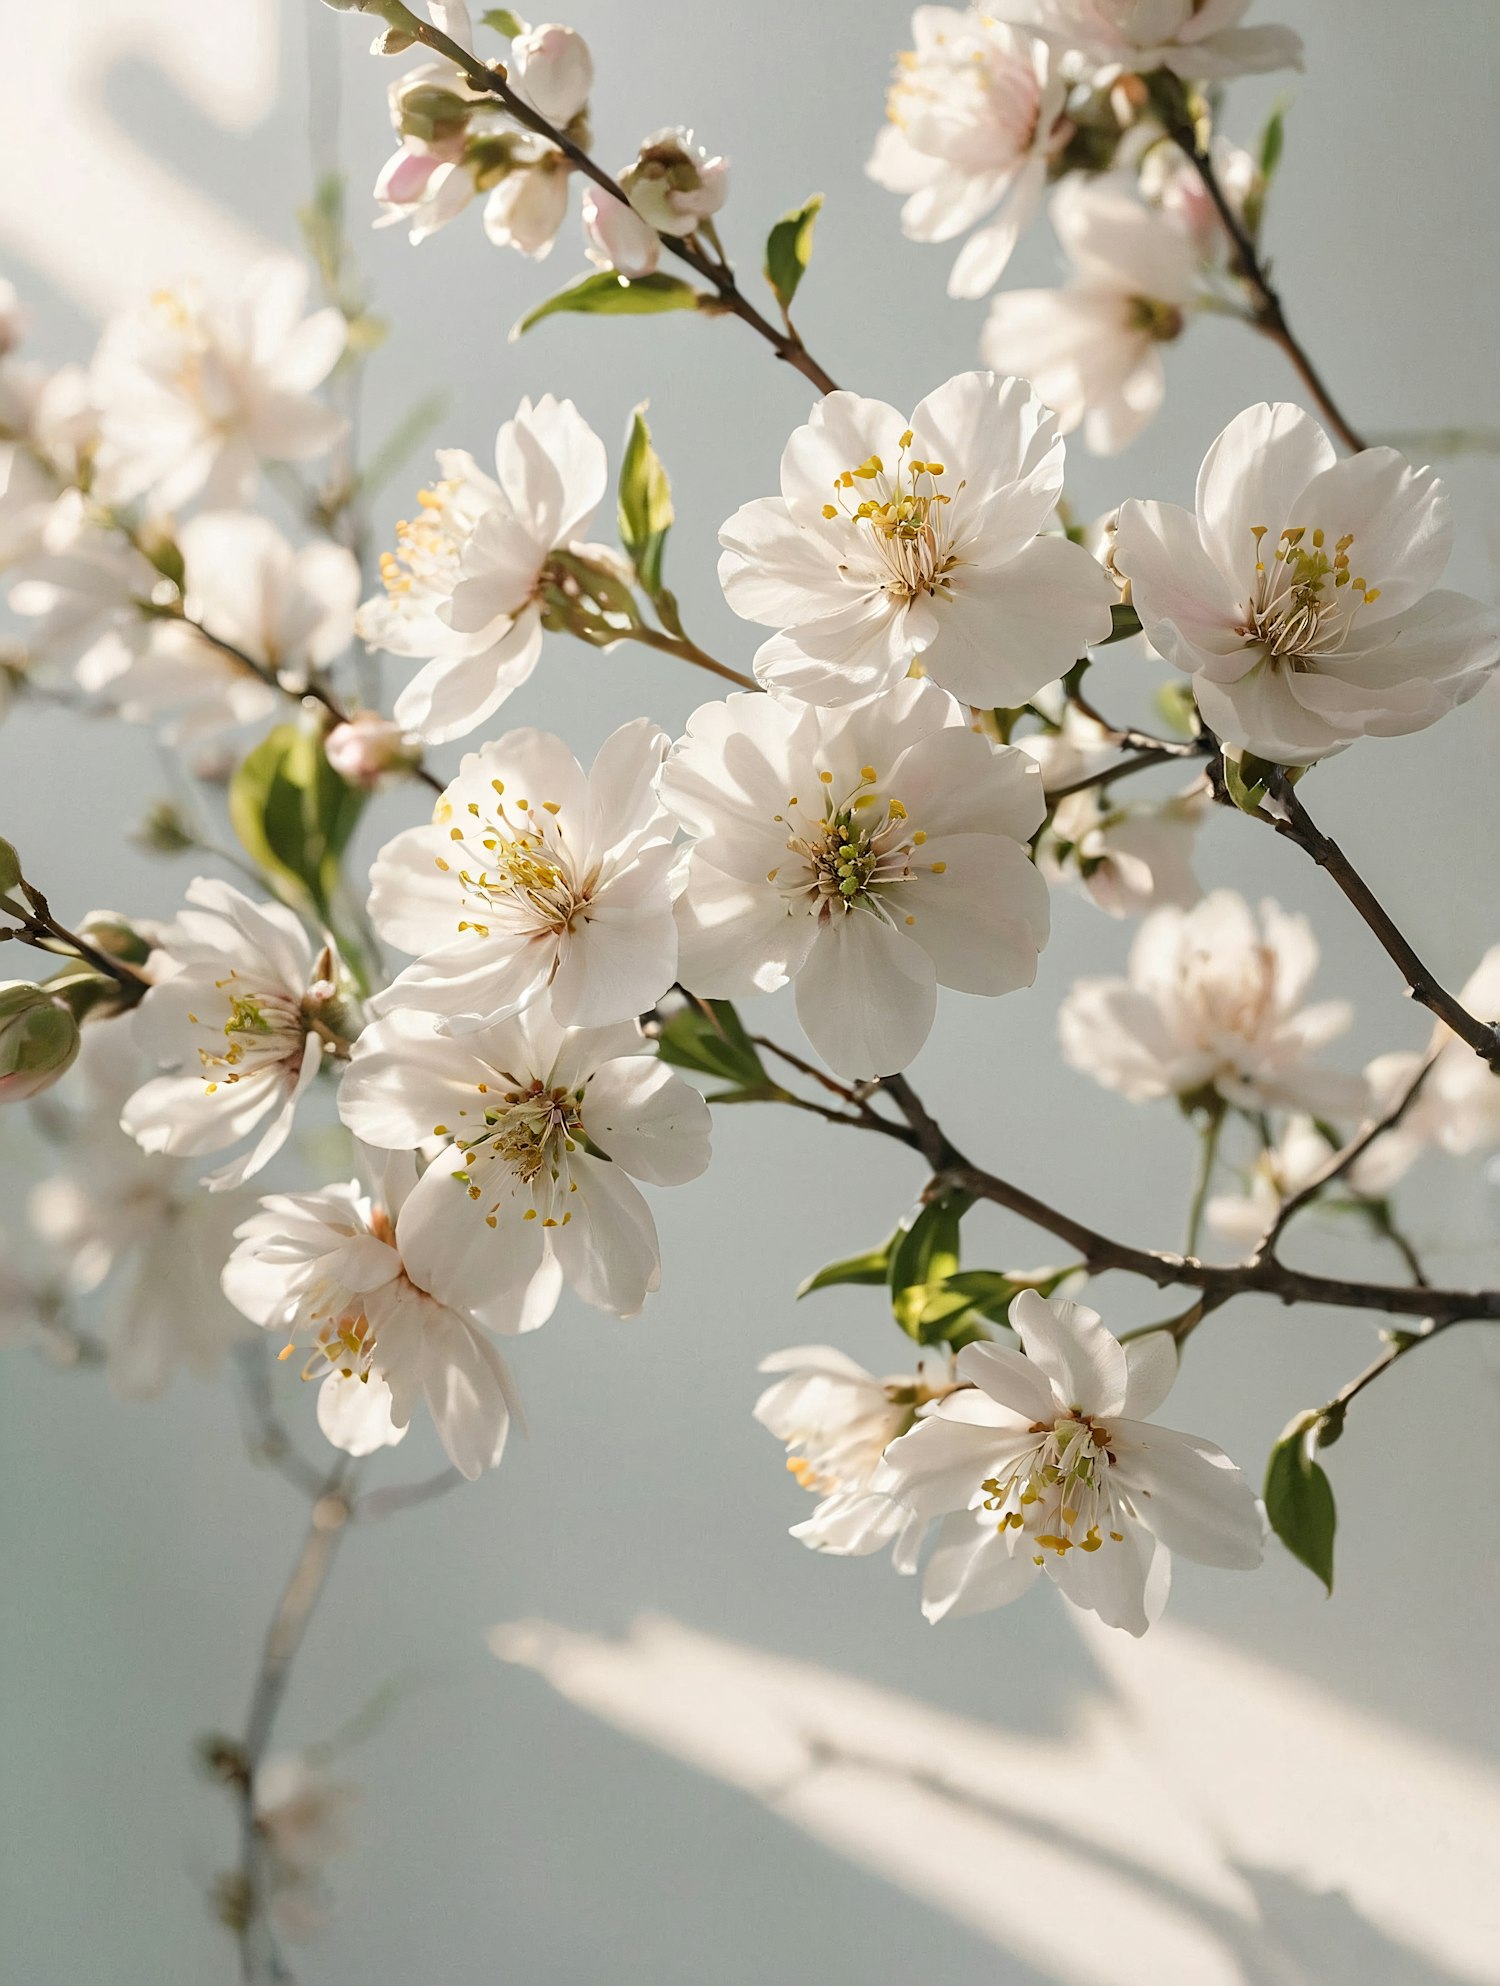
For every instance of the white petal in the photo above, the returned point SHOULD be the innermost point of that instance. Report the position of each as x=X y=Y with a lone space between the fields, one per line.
x=1189 y=1494
x=866 y=995
x=608 y=1250
x=1084 y=1361
x=648 y=1120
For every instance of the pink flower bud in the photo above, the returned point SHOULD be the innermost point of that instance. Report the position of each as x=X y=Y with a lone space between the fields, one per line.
x=552 y=68
x=617 y=238
x=404 y=176
x=366 y=747
x=528 y=207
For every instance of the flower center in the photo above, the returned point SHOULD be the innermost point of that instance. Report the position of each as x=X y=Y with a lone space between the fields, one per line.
x=531 y=1130
x=847 y=857
x=1223 y=1000
x=975 y=106
x=1160 y=321
x=264 y=1027
x=428 y=547
x=1060 y=1494
x=521 y=866
x=902 y=517
x=1304 y=602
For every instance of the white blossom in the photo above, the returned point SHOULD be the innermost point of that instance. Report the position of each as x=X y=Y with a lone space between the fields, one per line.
x=869 y=853
x=359 y=1281
x=673 y=183
x=1300 y=596
x=233 y=1013
x=534 y=876
x=615 y=236
x=528 y=205
x=115 y=1211
x=1457 y=1108
x=550 y=1127
x=1283 y=1169
x=973 y=113
x=837 y=1420
x=894 y=539
x=1092 y=349
x=463 y=588
x=81 y=593
x=1213 y=1001
x=1047 y=1463
x=552 y=70
x=1201 y=40
x=194 y=394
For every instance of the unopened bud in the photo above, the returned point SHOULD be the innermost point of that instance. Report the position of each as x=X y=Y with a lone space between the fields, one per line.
x=114 y=935
x=367 y=747
x=674 y=184
x=163 y=831
x=588 y=592
x=38 y=1040
x=551 y=67
x=431 y=113
x=10 y=868
x=616 y=236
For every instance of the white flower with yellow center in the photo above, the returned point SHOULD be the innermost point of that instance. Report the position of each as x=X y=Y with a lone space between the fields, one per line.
x=1093 y=349
x=236 y=1012
x=350 y=1278
x=1300 y=596
x=549 y=1128
x=896 y=538
x=973 y=119
x=464 y=586
x=536 y=875
x=1046 y=1463
x=194 y=394
x=1201 y=40
x=837 y=1420
x=869 y=853
x=1213 y=1001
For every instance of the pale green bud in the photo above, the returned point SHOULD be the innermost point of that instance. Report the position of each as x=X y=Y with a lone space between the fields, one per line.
x=38 y=1040
x=10 y=868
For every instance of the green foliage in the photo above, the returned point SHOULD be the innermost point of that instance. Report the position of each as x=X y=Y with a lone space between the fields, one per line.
x=294 y=816
x=1299 y=1497
x=503 y=21
x=1248 y=779
x=871 y=1268
x=604 y=294
x=1123 y=623
x=789 y=249
x=1272 y=142
x=645 y=504
x=708 y=1036
x=1174 y=705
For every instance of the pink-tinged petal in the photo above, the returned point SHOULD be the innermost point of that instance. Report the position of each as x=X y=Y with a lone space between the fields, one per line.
x=977 y=906
x=735 y=938
x=1189 y=1494
x=1186 y=606
x=866 y=996
x=648 y=1120
x=1151 y=1365
x=1069 y=1342
x=608 y=1251
x=972 y=1570
x=1003 y=633
x=1253 y=476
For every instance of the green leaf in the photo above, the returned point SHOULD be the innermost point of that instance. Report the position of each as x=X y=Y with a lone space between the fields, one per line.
x=924 y=1252
x=503 y=21
x=789 y=249
x=1174 y=705
x=1123 y=623
x=991 y=1292
x=871 y=1268
x=1272 y=140
x=1246 y=780
x=604 y=294
x=1299 y=1498
x=645 y=503
x=294 y=815
x=711 y=1039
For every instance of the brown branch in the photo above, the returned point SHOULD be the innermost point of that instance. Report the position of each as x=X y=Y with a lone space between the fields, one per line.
x=1162 y=754
x=1299 y=827
x=39 y=928
x=1268 y=312
x=493 y=82
x=689 y=651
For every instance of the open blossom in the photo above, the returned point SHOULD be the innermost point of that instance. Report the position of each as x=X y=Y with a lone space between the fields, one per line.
x=233 y=1013
x=1047 y=1463
x=81 y=592
x=193 y=394
x=869 y=853
x=113 y=1211
x=893 y=539
x=1457 y=1108
x=837 y=1420
x=1171 y=182
x=463 y=589
x=1302 y=1151
x=1213 y=1001
x=1300 y=597
x=615 y=236
x=1092 y=349
x=550 y=1127
x=973 y=119
x=364 y=1287
x=673 y=183
x=1201 y=40
x=535 y=875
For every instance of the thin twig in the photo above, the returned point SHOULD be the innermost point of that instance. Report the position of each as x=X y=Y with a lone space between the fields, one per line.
x=689 y=651
x=1121 y=769
x=40 y=929
x=1298 y=826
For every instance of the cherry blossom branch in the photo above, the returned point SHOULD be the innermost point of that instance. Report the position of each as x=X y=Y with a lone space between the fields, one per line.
x=689 y=651
x=492 y=81
x=1298 y=826
x=1100 y=1252
x=1141 y=761
x=1343 y=1160
x=1268 y=313
x=39 y=928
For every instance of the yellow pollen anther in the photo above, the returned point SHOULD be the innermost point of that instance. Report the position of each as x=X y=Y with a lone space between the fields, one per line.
x=826 y=777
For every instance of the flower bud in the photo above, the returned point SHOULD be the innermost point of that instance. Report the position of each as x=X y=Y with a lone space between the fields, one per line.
x=674 y=184
x=367 y=747
x=38 y=1040
x=107 y=931
x=10 y=868
x=428 y=111
x=616 y=237
x=528 y=206
x=163 y=831
x=551 y=67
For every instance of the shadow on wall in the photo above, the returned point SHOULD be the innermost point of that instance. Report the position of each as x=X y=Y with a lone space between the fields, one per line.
x=1208 y=1821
